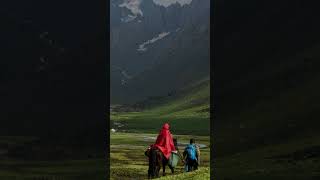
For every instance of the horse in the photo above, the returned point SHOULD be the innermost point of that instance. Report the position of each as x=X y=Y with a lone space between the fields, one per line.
x=156 y=161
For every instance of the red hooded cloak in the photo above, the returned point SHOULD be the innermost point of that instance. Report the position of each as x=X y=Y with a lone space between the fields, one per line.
x=164 y=141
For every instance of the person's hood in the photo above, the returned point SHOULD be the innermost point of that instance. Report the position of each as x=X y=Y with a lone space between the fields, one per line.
x=166 y=126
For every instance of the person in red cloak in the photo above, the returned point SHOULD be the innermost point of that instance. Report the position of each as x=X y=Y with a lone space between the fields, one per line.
x=164 y=141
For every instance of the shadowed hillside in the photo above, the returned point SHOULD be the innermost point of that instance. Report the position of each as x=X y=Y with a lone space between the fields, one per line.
x=266 y=90
x=52 y=91
x=47 y=84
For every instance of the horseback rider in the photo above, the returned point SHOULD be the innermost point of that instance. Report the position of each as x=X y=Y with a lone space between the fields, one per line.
x=167 y=146
x=165 y=142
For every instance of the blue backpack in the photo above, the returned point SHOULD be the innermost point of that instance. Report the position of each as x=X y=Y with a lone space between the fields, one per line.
x=191 y=152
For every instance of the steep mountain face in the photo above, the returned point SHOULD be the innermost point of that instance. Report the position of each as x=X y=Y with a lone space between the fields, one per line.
x=157 y=46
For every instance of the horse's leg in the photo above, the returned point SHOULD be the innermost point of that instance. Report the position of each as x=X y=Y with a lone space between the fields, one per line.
x=151 y=168
x=153 y=164
x=149 y=174
x=159 y=161
x=163 y=167
x=158 y=170
x=172 y=169
x=164 y=163
x=164 y=170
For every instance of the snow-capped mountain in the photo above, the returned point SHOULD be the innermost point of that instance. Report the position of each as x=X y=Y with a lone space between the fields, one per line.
x=146 y=33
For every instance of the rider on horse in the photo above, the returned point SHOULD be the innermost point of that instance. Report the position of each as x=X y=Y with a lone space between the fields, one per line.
x=164 y=141
x=160 y=152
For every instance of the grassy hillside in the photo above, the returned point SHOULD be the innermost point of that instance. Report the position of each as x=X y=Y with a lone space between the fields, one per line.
x=295 y=159
x=283 y=107
x=273 y=117
x=202 y=173
x=66 y=170
x=187 y=112
x=184 y=110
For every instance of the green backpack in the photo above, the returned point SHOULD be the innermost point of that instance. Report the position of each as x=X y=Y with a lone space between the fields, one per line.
x=173 y=159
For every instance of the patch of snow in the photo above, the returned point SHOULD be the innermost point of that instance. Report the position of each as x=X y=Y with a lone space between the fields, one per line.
x=125 y=74
x=134 y=7
x=167 y=3
x=123 y=82
x=153 y=40
x=142 y=49
x=128 y=18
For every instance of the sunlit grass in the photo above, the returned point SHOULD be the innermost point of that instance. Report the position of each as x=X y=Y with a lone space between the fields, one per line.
x=129 y=162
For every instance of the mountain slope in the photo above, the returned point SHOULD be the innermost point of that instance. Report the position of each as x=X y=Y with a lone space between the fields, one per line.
x=167 y=44
x=182 y=109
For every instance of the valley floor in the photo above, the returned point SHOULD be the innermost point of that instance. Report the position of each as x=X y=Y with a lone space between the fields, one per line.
x=129 y=162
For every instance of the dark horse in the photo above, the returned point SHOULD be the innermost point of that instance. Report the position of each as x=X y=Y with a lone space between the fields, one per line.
x=156 y=161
